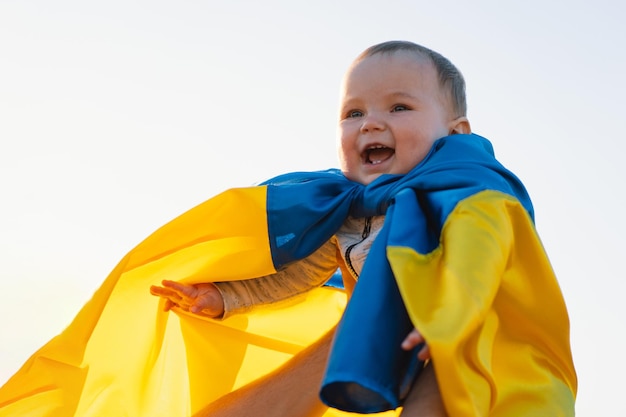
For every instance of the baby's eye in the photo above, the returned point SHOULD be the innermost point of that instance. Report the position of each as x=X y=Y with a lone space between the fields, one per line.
x=354 y=113
x=399 y=107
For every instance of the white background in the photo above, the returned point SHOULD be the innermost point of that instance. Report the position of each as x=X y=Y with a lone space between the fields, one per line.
x=116 y=116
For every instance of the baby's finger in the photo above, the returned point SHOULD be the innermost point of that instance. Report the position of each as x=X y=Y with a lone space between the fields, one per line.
x=161 y=292
x=184 y=289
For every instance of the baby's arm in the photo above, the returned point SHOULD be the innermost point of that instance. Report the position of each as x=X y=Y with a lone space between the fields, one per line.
x=295 y=279
x=222 y=299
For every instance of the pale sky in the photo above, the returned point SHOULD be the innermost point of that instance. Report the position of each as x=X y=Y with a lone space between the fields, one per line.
x=117 y=116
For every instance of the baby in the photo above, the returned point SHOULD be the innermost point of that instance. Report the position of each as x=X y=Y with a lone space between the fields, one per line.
x=397 y=99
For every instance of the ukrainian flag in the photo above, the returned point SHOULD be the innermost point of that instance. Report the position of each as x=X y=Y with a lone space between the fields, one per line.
x=458 y=246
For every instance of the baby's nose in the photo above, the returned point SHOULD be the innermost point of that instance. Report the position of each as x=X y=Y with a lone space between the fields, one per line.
x=372 y=122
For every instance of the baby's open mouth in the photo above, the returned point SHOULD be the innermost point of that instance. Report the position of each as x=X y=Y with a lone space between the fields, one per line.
x=377 y=154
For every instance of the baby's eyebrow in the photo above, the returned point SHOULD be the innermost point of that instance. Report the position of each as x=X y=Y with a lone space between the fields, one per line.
x=348 y=101
x=402 y=94
x=355 y=102
x=349 y=104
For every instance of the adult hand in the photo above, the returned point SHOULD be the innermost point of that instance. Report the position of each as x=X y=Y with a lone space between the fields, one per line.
x=413 y=339
x=203 y=299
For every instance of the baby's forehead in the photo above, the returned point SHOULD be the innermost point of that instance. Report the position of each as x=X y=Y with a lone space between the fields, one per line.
x=380 y=66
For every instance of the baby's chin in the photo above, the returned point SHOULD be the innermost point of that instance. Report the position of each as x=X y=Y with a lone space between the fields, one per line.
x=362 y=178
x=367 y=178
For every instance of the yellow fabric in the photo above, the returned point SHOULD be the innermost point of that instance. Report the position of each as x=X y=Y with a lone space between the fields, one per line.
x=490 y=307
x=475 y=304
x=123 y=356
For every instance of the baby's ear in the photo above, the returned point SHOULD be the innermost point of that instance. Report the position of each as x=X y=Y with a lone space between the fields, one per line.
x=460 y=125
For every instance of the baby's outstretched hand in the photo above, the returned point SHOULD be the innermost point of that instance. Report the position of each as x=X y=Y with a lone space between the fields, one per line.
x=413 y=339
x=203 y=299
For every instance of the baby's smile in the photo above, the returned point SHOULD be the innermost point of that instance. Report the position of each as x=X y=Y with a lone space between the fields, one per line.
x=377 y=154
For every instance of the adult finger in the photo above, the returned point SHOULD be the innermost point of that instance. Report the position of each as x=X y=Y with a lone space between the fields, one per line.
x=413 y=339
x=424 y=353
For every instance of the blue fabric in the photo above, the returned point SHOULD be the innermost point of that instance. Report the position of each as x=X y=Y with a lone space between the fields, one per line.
x=335 y=281
x=367 y=370
x=306 y=208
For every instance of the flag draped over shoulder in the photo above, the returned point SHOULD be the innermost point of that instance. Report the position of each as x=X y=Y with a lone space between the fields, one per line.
x=458 y=258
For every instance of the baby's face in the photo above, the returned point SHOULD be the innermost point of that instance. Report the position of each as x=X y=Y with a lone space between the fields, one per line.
x=391 y=112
